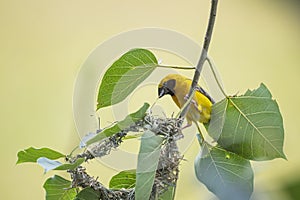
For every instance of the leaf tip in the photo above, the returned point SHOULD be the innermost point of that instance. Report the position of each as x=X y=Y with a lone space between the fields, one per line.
x=284 y=156
x=263 y=85
x=99 y=105
x=18 y=158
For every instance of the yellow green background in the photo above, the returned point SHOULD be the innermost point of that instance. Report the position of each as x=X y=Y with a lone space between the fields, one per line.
x=44 y=43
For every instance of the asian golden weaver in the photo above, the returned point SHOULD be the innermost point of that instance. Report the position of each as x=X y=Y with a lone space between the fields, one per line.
x=178 y=87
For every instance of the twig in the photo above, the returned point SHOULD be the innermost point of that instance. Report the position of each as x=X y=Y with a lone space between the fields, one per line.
x=211 y=65
x=203 y=56
x=176 y=67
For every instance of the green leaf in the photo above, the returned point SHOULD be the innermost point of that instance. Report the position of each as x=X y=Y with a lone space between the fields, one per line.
x=262 y=91
x=128 y=121
x=71 y=166
x=59 y=188
x=124 y=76
x=168 y=195
x=227 y=175
x=32 y=154
x=123 y=180
x=148 y=158
x=133 y=136
x=250 y=125
x=49 y=164
x=88 y=194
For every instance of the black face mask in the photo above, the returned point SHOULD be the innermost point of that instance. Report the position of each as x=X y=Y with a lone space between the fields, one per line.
x=167 y=88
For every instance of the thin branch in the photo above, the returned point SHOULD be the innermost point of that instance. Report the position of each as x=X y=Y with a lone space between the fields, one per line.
x=215 y=76
x=203 y=56
x=200 y=135
x=176 y=67
x=188 y=101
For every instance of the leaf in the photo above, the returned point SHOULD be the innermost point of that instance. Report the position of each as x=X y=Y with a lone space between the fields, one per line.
x=128 y=121
x=124 y=76
x=217 y=120
x=86 y=138
x=227 y=175
x=168 y=195
x=132 y=136
x=123 y=180
x=148 y=158
x=59 y=188
x=71 y=166
x=250 y=125
x=262 y=91
x=48 y=164
x=88 y=194
x=32 y=154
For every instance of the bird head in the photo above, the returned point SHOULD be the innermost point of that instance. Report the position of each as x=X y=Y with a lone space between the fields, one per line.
x=166 y=86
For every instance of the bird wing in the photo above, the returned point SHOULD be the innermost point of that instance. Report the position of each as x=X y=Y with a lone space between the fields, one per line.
x=202 y=91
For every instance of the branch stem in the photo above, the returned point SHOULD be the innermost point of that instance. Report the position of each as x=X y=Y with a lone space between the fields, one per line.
x=203 y=56
x=176 y=67
x=211 y=65
x=188 y=101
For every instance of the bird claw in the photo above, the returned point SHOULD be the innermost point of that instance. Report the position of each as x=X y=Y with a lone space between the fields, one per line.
x=186 y=126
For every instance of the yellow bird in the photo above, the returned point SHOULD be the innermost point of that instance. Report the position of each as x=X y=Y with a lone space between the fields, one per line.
x=178 y=87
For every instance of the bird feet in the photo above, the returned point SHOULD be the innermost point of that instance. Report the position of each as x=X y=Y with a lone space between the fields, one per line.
x=186 y=126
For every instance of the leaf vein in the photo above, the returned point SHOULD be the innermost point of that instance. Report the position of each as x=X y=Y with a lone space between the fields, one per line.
x=255 y=128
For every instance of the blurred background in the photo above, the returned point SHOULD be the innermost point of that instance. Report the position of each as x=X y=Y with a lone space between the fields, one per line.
x=44 y=43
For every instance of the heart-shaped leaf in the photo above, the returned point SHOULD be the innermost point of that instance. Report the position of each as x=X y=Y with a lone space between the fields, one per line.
x=59 y=188
x=227 y=175
x=88 y=194
x=32 y=154
x=123 y=180
x=250 y=125
x=124 y=76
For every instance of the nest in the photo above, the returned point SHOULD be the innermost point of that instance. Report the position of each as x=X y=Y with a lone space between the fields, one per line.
x=168 y=166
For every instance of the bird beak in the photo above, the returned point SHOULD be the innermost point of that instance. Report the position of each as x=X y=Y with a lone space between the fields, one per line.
x=161 y=92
